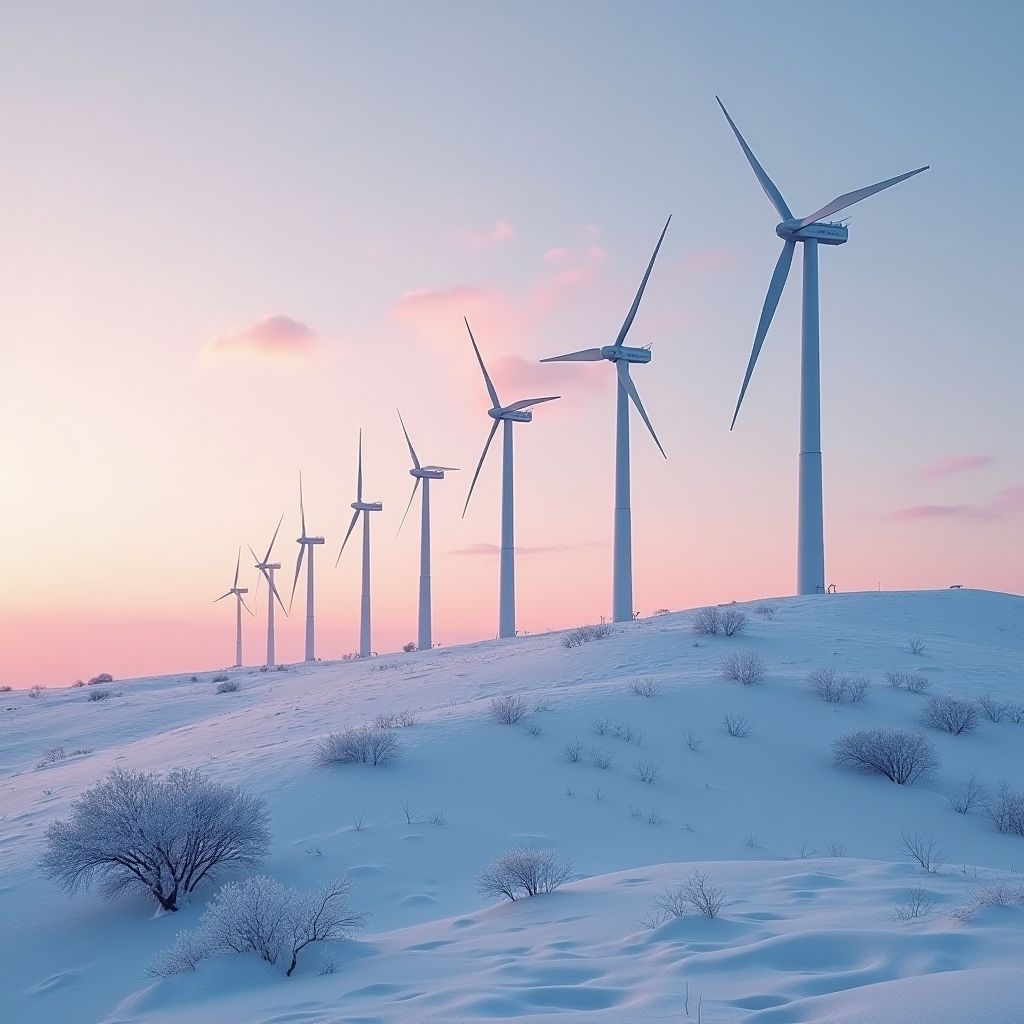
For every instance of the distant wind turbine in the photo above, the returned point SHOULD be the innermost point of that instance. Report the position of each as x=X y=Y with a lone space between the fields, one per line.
x=303 y=543
x=266 y=568
x=506 y=414
x=426 y=474
x=809 y=231
x=366 y=507
x=239 y=605
x=621 y=356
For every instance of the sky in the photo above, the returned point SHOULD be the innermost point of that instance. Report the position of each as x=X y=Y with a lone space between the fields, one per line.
x=235 y=234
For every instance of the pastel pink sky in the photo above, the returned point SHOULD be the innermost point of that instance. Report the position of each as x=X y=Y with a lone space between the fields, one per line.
x=232 y=238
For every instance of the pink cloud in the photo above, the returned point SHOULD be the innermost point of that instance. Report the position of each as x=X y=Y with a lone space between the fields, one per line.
x=436 y=314
x=270 y=338
x=1009 y=502
x=477 y=240
x=557 y=255
x=525 y=378
x=954 y=464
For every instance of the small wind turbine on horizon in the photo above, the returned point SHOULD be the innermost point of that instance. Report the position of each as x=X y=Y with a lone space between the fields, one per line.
x=239 y=605
x=303 y=543
x=517 y=412
x=621 y=356
x=809 y=231
x=267 y=568
x=425 y=473
x=366 y=507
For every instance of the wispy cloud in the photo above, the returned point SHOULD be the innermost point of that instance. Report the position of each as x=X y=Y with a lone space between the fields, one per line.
x=476 y=241
x=1006 y=503
x=492 y=550
x=278 y=338
x=951 y=464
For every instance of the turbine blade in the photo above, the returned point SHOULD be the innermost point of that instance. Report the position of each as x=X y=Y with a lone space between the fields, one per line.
x=640 y=291
x=273 y=587
x=272 y=539
x=771 y=303
x=444 y=469
x=245 y=606
x=585 y=355
x=483 y=455
x=527 y=402
x=351 y=527
x=627 y=382
x=298 y=568
x=409 y=506
x=359 y=472
x=849 y=198
x=412 y=451
x=238 y=565
x=483 y=369
x=766 y=183
x=222 y=596
x=302 y=509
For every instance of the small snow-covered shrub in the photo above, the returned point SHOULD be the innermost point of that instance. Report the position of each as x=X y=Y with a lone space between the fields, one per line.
x=644 y=687
x=99 y=695
x=103 y=677
x=534 y=728
x=35 y=692
x=601 y=725
x=746 y=667
x=409 y=647
x=508 y=708
x=585 y=634
x=52 y=755
x=220 y=678
x=950 y=714
x=647 y=771
x=1006 y=810
x=10 y=689
x=1014 y=711
x=363 y=745
x=733 y=621
x=697 y=895
x=766 y=610
x=660 y=611
x=573 y=749
x=971 y=792
x=737 y=725
x=693 y=740
x=835 y=687
x=997 y=892
x=229 y=686
x=913 y=682
x=922 y=847
x=994 y=710
x=915 y=645
x=920 y=904
x=522 y=871
x=601 y=759
x=707 y=621
x=901 y=755
x=394 y=719
x=75 y=685
x=165 y=835
x=261 y=916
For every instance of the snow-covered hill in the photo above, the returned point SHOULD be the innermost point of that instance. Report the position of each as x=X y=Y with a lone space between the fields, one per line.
x=804 y=851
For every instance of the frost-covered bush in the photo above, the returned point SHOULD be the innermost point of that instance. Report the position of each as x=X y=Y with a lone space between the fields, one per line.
x=644 y=686
x=165 y=835
x=522 y=871
x=229 y=686
x=1006 y=810
x=733 y=621
x=971 y=792
x=913 y=682
x=508 y=708
x=363 y=745
x=647 y=771
x=707 y=621
x=99 y=695
x=697 y=895
x=584 y=634
x=950 y=714
x=573 y=749
x=737 y=725
x=261 y=916
x=409 y=647
x=994 y=710
x=746 y=667
x=835 y=687
x=103 y=677
x=922 y=847
x=997 y=892
x=901 y=755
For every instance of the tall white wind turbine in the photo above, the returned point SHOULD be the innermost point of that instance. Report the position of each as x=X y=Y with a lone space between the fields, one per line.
x=809 y=231
x=366 y=507
x=517 y=412
x=425 y=473
x=303 y=543
x=621 y=356
x=239 y=605
x=267 y=568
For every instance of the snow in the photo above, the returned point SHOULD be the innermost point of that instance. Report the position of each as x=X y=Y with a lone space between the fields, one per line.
x=800 y=938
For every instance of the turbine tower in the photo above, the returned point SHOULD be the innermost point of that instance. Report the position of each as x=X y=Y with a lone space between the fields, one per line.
x=303 y=543
x=239 y=605
x=366 y=507
x=266 y=568
x=506 y=415
x=425 y=473
x=621 y=356
x=809 y=231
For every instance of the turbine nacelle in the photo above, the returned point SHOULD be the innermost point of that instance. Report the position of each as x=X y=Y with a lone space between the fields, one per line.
x=429 y=472
x=826 y=233
x=626 y=354
x=239 y=590
x=367 y=506
x=309 y=540
x=518 y=415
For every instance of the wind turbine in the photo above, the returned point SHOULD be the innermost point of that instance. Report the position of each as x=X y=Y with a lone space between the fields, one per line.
x=809 y=231
x=239 y=605
x=366 y=507
x=425 y=473
x=303 y=543
x=266 y=567
x=621 y=356
x=507 y=415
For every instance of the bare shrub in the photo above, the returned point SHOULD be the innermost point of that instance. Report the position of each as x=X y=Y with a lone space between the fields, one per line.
x=915 y=645
x=994 y=710
x=901 y=755
x=951 y=714
x=601 y=725
x=647 y=771
x=971 y=792
x=660 y=611
x=1006 y=810
x=697 y=895
x=522 y=871
x=737 y=725
x=221 y=678
x=835 y=687
x=409 y=647
x=733 y=621
x=766 y=610
x=919 y=904
x=573 y=749
x=923 y=848
x=10 y=689
x=103 y=677
x=35 y=692
x=585 y=634
x=229 y=686
x=534 y=728
x=51 y=756
x=998 y=892
x=654 y=818
x=393 y=719
x=693 y=740
x=363 y=745
x=913 y=682
x=835 y=849
x=644 y=687
x=601 y=759
x=918 y=683
x=99 y=695
x=508 y=708
x=1014 y=711
x=746 y=667
x=75 y=684
x=164 y=835
x=707 y=621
